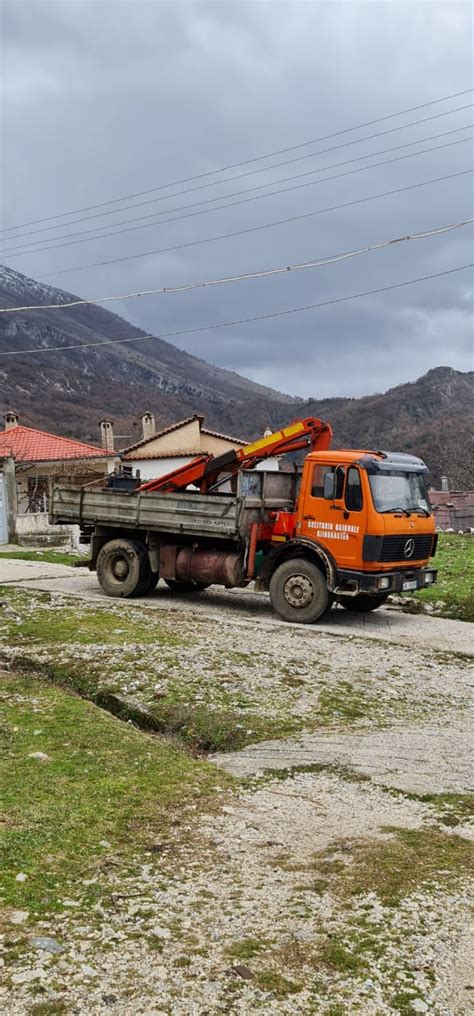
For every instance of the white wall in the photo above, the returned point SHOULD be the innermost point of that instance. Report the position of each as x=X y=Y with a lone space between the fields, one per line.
x=151 y=468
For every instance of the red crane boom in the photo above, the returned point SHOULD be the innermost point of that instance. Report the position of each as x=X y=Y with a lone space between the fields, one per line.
x=204 y=470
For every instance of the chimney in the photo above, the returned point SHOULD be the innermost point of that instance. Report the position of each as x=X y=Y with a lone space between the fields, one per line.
x=11 y=420
x=444 y=483
x=107 y=435
x=148 y=426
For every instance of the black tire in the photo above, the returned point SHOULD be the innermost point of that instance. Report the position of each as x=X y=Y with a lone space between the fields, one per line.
x=123 y=568
x=298 y=591
x=185 y=587
x=362 y=603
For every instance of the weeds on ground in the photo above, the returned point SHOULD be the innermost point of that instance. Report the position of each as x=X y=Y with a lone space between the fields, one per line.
x=455 y=583
x=397 y=865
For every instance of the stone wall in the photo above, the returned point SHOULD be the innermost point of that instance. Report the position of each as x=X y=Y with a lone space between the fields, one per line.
x=34 y=530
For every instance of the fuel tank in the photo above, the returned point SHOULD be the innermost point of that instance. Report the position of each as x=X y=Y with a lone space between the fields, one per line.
x=219 y=567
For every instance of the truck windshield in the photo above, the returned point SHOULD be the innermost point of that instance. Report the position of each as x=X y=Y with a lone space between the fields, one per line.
x=392 y=490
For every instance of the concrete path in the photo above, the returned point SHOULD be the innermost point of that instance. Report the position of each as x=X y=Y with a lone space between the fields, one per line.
x=420 y=759
x=242 y=605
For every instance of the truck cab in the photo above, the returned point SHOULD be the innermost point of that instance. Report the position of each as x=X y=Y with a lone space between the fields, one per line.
x=365 y=516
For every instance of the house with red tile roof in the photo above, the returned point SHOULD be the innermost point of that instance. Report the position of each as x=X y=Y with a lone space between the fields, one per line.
x=35 y=458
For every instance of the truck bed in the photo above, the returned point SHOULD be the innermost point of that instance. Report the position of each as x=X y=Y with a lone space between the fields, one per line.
x=219 y=516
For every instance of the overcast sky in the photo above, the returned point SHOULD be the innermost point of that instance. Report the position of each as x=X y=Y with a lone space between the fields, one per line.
x=105 y=99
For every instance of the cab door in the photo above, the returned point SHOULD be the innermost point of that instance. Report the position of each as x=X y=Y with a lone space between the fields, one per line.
x=332 y=512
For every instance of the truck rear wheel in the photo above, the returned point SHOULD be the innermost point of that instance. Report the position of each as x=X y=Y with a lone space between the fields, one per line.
x=298 y=591
x=363 y=603
x=123 y=568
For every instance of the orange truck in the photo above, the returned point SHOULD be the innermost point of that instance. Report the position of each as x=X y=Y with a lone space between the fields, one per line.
x=350 y=527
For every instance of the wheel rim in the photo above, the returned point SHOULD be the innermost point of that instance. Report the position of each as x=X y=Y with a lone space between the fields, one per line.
x=120 y=568
x=298 y=591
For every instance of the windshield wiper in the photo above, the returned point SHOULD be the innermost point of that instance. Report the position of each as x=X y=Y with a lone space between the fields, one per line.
x=424 y=510
x=387 y=511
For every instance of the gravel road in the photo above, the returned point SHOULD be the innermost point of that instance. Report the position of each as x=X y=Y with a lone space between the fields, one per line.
x=244 y=604
x=252 y=881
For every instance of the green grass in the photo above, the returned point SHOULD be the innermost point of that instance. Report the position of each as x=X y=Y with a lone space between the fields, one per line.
x=455 y=583
x=395 y=867
x=271 y=980
x=336 y=956
x=208 y=730
x=402 y=1002
x=451 y=809
x=246 y=948
x=48 y=1009
x=89 y=626
x=342 y=703
x=130 y=647
x=103 y=780
x=48 y=556
x=198 y=727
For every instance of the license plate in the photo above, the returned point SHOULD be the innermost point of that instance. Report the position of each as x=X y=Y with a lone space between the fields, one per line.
x=410 y=584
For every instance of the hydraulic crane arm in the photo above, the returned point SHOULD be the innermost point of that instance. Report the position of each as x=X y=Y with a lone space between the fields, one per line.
x=204 y=470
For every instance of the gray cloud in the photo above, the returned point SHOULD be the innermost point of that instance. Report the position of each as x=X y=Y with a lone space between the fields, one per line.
x=103 y=99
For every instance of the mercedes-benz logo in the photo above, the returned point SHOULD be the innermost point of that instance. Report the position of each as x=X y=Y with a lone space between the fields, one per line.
x=409 y=548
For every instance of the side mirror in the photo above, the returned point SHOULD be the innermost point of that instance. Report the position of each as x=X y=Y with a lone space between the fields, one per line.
x=330 y=486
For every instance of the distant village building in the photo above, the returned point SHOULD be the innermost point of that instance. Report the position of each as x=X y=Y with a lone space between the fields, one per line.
x=30 y=459
x=453 y=509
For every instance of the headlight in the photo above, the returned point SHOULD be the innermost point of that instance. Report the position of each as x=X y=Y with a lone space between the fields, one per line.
x=429 y=578
x=384 y=583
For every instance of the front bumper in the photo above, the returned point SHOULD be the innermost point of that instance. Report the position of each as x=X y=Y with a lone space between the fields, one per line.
x=373 y=583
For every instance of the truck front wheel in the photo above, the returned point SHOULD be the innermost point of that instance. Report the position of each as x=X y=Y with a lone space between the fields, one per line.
x=123 y=568
x=298 y=591
x=363 y=603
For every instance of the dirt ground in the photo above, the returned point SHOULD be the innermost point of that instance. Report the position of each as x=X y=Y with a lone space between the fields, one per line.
x=333 y=879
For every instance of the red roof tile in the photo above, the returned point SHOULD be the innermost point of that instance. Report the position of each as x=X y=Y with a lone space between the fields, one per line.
x=26 y=444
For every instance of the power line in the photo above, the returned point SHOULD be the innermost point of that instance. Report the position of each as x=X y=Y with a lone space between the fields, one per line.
x=244 y=162
x=264 y=273
x=255 y=197
x=263 y=186
x=248 y=172
x=242 y=321
x=253 y=229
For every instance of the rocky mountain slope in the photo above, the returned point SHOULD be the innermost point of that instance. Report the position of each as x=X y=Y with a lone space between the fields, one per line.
x=432 y=417
x=69 y=391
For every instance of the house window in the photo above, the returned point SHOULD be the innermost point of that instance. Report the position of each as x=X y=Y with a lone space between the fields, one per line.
x=37 y=494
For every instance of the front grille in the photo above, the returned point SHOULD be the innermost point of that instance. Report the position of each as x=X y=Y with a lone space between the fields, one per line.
x=405 y=548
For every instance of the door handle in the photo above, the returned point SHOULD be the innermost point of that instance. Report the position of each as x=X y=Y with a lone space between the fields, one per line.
x=307 y=518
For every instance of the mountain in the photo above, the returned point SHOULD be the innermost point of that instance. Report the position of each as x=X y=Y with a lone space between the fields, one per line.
x=69 y=391
x=432 y=417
